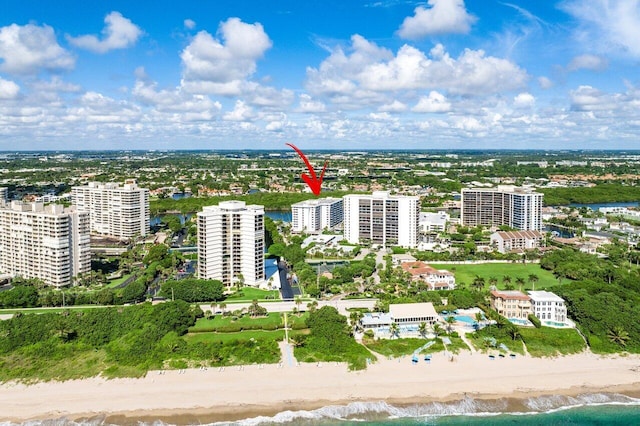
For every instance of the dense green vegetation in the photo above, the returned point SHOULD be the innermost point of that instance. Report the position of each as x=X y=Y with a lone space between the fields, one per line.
x=548 y=341
x=605 y=298
x=193 y=290
x=110 y=341
x=394 y=347
x=603 y=193
x=232 y=323
x=330 y=339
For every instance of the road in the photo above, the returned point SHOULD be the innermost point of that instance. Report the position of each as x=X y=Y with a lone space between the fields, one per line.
x=285 y=286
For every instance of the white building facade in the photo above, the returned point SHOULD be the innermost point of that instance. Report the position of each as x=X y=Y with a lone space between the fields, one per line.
x=314 y=216
x=231 y=243
x=434 y=222
x=517 y=207
x=381 y=218
x=548 y=306
x=116 y=211
x=46 y=242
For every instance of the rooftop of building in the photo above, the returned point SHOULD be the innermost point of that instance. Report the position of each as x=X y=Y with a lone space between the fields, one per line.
x=233 y=206
x=506 y=189
x=509 y=294
x=41 y=208
x=412 y=310
x=544 y=296
x=382 y=195
x=516 y=235
x=421 y=268
x=317 y=202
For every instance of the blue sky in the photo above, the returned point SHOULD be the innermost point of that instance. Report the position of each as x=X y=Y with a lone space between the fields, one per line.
x=329 y=74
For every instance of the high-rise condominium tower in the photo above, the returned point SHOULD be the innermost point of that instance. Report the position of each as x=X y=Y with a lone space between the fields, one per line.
x=231 y=243
x=47 y=242
x=519 y=208
x=116 y=211
x=316 y=215
x=380 y=218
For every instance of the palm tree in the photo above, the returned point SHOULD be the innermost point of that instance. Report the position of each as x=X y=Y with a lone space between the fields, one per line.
x=478 y=283
x=422 y=329
x=533 y=279
x=394 y=329
x=513 y=332
x=618 y=336
x=222 y=306
x=520 y=282
x=437 y=329
x=506 y=280
x=298 y=301
x=312 y=306
x=493 y=281
x=450 y=320
x=479 y=318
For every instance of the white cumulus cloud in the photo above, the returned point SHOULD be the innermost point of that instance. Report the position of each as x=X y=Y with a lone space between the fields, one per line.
x=524 y=100
x=8 y=89
x=221 y=66
x=587 y=62
x=189 y=24
x=30 y=48
x=435 y=102
x=119 y=33
x=241 y=112
x=441 y=17
x=370 y=69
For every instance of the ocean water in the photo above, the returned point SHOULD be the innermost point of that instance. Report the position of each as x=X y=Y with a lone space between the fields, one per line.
x=587 y=409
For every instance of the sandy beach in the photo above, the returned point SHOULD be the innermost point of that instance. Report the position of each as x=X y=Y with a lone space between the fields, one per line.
x=240 y=392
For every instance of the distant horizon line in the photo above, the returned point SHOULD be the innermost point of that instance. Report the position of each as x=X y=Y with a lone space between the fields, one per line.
x=452 y=150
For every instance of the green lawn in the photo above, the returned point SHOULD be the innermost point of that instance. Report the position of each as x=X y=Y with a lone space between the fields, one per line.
x=118 y=281
x=248 y=294
x=466 y=273
x=223 y=324
x=546 y=341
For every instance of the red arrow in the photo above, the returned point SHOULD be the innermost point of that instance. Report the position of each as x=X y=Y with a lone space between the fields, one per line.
x=314 y=183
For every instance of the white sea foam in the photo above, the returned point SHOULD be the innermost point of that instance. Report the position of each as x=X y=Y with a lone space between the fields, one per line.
x=359 y=412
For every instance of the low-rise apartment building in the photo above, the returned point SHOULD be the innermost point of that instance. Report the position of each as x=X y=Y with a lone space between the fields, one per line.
x=508 y=241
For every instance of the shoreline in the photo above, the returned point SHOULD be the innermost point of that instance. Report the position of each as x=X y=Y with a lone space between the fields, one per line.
x=235 y=393
x=514 y=403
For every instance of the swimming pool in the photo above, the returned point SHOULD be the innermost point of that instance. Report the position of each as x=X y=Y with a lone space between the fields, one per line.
x=465 y=319
x=519 y=321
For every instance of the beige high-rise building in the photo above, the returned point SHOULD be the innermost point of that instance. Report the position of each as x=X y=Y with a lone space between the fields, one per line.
x=116 y=211
x=47 y=242
x=519 y=208
x=231 y=243
x=380 y=218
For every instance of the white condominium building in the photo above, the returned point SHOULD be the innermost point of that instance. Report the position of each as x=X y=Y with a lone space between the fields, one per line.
x=316 y=215
x=380 y=218
x=116 y=211
x=231 y=243
x=50 y=243
x=517 y=207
